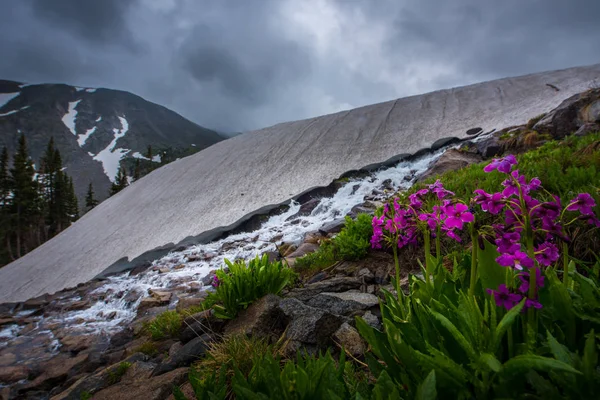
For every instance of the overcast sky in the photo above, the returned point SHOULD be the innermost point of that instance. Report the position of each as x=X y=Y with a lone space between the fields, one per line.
x=241 y=65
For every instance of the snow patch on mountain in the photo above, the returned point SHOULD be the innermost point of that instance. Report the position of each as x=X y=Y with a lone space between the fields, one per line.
x=14 y=111
x=69 y=118
x=6 y=97
x=90 y=90
x=82 y=138
x=111 y=157
x=99 y=119
x=156 y=158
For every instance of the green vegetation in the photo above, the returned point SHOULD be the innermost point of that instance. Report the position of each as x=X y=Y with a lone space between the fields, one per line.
x=165 y=325
x=246 y=283
x=85 y=395
x=149 y=348
x=535 y=120
x=35 y=205
x=351 y=244
x=115 y=374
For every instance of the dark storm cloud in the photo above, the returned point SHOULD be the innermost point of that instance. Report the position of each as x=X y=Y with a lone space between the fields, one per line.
x=238 y=65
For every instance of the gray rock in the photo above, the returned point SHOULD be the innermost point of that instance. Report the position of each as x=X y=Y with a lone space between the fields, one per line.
x=451 y=160
x=347 y=303
x=332 y=227
x=334 y=285
x=308 y=325
x=372 y=320
x=349 y=338
x=489 y=147
x=199 y=324
x=586 y=129
x=190 y=352
x=262 y=319
x=303 y=250
x=571 y=114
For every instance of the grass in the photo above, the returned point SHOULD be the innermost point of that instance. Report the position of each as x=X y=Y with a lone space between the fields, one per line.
x=115 y=374
x=165 y=325
x=149 y=348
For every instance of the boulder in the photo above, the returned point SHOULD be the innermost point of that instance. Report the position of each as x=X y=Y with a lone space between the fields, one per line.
x=303 y=250
x=190 y=352
x=571 y=114
x=55 y=371
x=489 y=147
x=348 y=337
x=76 y=343
x=586 y=129
x=346 y=303
x=163 y=296
x=332 y=227
x=372 y=320
x=309 y=325
x=335 y=285
x=13 y=373
x=186 y=302
x=200 y=323
x=451 y=160
x=148 y=303
x=154 y=388
x=262 y=319
x=77 y=305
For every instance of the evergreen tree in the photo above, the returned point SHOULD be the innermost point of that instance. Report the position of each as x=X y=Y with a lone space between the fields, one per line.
x=24 y=205
x=137 y=174
x=72 y=205
x=4 y=178
x=149 y=153
x=120 y=182
x=90 y=201
x=5 y=250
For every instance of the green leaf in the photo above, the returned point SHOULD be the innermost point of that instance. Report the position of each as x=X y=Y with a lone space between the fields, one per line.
x=490 y=361
x=590 y=356
x=427 y=390
x=524 y=363
x=490 y=272
x=506 y=323
x=446 y=323
x=559 y=351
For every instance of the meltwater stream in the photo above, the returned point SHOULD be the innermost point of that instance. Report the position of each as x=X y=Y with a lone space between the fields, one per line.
x=114 y=303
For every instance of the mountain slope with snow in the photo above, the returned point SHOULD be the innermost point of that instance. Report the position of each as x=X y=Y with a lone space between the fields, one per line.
x=198 y=196
x=94 y=129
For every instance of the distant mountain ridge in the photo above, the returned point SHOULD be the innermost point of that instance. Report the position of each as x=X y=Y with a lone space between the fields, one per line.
x=95 y=130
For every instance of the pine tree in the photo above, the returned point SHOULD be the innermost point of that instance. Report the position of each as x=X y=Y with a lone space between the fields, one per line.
x=149 y=153
x=4 y=178
x=72 y=205
x=90 y=201
x=24 y=204
x=5 y=248
x=120 y=182
x=136 y=170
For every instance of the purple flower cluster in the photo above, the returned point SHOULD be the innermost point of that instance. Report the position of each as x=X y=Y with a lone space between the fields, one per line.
x=215 y=281
x=399 y=224
x=526 y=220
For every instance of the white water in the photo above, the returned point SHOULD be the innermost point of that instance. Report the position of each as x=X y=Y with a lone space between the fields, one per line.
x=122 y=294
x=245 y=245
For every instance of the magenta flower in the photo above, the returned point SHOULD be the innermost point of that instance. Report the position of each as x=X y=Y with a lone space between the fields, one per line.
x=583 y=203
x=518 y=260
x=439 y=190
x=457 y=214
x=482 y=197
x=512 y=185
x=508 y=242
x=532 y=303
x=524 y=278
x=504 y=298
x=501 y=164
x=415 y=201
x=432 y=220
x=451 y=234
x=215 y=281
x=546 y=253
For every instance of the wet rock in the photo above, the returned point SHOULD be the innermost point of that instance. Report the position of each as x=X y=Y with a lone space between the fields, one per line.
x=349 y=338
x=161 y=295
x=155 y=388
x=77 y=305
x=190 y=352
x=76 y=343
x=303 y=250
x=474 y=131
x=586 y=129
x=7 y=321
x=308 y=207
x=175 y=347
x=13 y=373
x=262 y=319
x=372 y=320
x=55 y=371
x=451 y=160
x=208 y=279
x=336 y=284
x=185 y=303
x=313 y=237
x=332 y=227
x=7 y=358
x=346 y=303
x=286 y=249
x=309 y=325
x=318 y=277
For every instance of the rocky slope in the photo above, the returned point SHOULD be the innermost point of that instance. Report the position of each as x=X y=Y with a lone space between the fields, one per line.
x=73 y=343
x=195 y=197
x=94 y=129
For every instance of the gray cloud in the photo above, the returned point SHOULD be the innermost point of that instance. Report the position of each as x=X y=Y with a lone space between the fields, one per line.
x=239 y=65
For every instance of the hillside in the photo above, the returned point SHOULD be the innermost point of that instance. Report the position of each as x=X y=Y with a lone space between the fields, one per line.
x=95 y=129
x=197 y=197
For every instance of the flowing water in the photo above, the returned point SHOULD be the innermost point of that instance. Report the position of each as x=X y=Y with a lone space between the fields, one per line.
x=114 y=303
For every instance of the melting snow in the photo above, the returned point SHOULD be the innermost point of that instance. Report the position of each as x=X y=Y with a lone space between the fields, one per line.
x=6 y=97
x=193 y=145
x=82 y=138
x=137 y=154
x=14 y=111
x=90 y=90
x=110 y=157
x=123 y=293
x=99 y=119
x=156 y=158
x=69 y=118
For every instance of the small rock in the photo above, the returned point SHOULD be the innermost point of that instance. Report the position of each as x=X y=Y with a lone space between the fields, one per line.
x=262 y=319
x=77 y=305
x=76 y=343
x=175 y=347
x=303 y=250
x=309 y=326
x=185 y=303
x=161 y=295
x=451 y=160
x=372 y=320
x=346 y=303
x=318 y=277
x=13 y=373
x=474 y=131
x=336 y=284
x=190 y=352
x=586 y=129
x=164 y=270
x=332 y=227
x=349 y=338
x=180 y=266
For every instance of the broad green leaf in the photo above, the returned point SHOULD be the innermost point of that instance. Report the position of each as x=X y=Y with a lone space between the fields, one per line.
x=559 y=351
x=524 y=363
x=590 y=356
x=490 y=361
x=505 y=324
x=543 y=387
x=427 y=389
x=490 y=272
